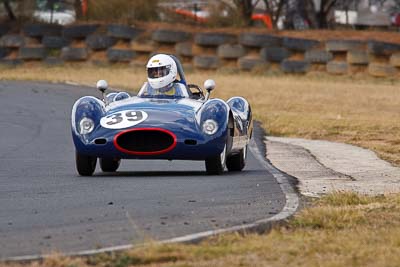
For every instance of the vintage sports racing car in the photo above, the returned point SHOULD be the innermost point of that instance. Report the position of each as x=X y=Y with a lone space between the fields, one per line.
x=185 y=126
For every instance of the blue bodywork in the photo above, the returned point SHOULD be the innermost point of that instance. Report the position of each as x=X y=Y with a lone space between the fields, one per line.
x=183 y=117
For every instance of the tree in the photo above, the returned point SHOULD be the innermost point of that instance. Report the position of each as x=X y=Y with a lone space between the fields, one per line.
x=274 y=8
x=10 y=13
x=245 y=8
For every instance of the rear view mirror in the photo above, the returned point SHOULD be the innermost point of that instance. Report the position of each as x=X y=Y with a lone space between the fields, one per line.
x=209 y=85
x=102 y=85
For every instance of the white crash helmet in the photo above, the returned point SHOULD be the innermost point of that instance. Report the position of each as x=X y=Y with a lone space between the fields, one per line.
x=161 y=71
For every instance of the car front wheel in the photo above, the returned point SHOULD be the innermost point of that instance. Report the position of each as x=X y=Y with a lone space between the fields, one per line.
x=109 y=164
x=85 y=165
x=238 y=161
x=216 y=165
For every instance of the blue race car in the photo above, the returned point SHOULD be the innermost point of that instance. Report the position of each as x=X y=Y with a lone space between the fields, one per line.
x=185 y=125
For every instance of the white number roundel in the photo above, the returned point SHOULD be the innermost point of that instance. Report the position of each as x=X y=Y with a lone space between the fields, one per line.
x=123 y=119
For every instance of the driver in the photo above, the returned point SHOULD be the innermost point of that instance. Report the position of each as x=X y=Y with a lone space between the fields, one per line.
x=161 y=75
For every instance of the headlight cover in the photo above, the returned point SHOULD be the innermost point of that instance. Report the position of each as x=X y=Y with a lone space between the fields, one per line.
x=86 y=126
x=210 y=127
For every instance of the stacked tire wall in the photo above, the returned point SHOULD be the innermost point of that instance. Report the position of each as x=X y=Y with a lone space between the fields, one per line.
x=110 y=44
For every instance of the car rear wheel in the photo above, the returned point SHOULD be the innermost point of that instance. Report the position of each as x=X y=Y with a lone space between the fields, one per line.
x=109 y=164
x=238 y=161
x=216 y=165
x=85 y=165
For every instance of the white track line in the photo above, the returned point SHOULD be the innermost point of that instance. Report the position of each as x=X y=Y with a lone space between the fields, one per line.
x=291 y=205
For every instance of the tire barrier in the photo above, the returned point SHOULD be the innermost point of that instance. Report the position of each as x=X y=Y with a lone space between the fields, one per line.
x=299 y=44
x=228 y=51
x=214 y=39
x=259 y=40
x=40 y=30
x=122 y=31
x=12 y=41
x=103 y=44
x=206 y=62
x=54 y=42
x=74 y=53
x=120 y=55
x=337 y=67
x=274 y=54
x=170 y=36
x=99 y=42
x=357 y=57
x=248 y=63
x=184 y=49
x=79 y=31
x=318 y=56
x=344 y=45
x=381 y=70
x=31 y=53
x=295 y=66
x=382 y=48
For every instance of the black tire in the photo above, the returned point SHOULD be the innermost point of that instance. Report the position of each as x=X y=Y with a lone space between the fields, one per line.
x=343 y=45
x=10 y=62
x=109 y=164
x=28 y=53
x=214 y=39
x=99 y=42
x=381 y=70
x=184 y=49
x=122 y=31
x=274 y=54
x=4 y=52
x=299 y=44
x=337 y=67
x=382 y=48
x=12 y=41
x=85 y=165
x=54 y=42
x=229 y=51
x=237 y=161
x=40 y=30
x=4 y=28
x=53 y=61
x=74 y=54
x=216 y=165
x=250 y=62
x=357 y=57
x=79 y=31
x=318 y=56
x=259 y=40
x=295 y=66
x=170 y=36
x=120 y=55
x=206 y=62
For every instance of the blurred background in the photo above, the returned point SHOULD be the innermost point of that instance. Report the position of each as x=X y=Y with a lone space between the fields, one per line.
x=271 y=14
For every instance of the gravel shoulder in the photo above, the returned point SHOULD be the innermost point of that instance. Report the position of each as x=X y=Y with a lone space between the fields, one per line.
x=323 y=167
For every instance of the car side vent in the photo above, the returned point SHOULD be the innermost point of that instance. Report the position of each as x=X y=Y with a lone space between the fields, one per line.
x=190 y=142
x=100 y=141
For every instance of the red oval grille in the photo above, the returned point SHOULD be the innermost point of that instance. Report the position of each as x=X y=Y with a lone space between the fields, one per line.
x=144 y=141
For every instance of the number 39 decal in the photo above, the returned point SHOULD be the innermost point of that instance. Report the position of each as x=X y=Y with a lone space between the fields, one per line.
x=123 y=119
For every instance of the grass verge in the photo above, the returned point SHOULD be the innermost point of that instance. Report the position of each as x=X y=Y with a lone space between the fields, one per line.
x=341 y=229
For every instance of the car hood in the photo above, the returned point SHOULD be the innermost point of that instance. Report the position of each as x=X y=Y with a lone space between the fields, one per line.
x=160 y=111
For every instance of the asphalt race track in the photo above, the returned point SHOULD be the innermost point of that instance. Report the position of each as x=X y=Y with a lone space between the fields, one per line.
x=45 y=206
